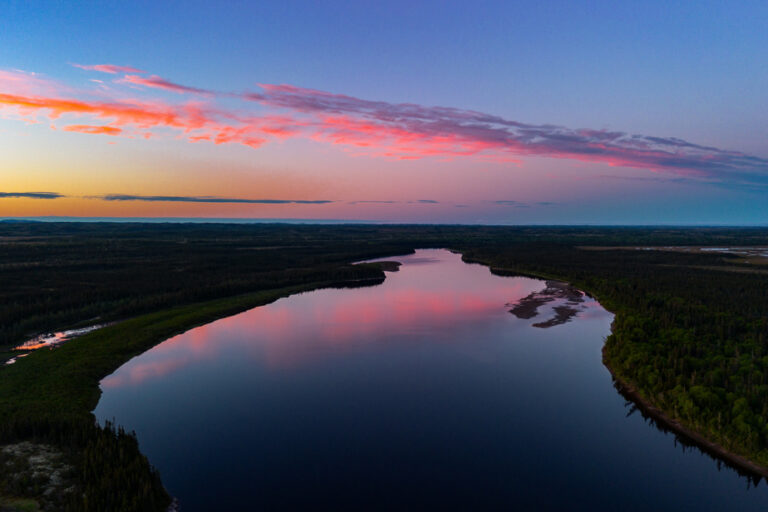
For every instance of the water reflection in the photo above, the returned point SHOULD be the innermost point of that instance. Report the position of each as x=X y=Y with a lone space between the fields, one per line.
x=292 y=332
x=53 y=339
x=423 y=392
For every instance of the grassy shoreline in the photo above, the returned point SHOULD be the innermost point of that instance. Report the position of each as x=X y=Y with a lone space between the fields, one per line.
x=73 y=370
x=49 y=395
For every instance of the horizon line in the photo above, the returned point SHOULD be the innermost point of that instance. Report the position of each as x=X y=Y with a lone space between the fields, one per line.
x=278 y=220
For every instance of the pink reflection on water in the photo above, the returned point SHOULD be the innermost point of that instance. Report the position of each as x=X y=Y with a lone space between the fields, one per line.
x=438 y=293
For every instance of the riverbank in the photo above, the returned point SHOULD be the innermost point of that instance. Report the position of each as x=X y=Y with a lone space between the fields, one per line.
x=662 y=419
x=49 y=396
x=65 y=380
x=686 y=435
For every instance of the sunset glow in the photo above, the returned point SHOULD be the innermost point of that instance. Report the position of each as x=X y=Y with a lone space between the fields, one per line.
x=116 y=122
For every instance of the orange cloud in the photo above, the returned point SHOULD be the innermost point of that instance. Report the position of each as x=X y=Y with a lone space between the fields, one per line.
x=196 y=122
x=84 y=128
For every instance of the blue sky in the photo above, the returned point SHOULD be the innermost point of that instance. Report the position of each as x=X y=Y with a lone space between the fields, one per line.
x=696 y=71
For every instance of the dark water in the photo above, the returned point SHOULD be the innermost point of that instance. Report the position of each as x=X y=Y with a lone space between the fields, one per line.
x=422 y=392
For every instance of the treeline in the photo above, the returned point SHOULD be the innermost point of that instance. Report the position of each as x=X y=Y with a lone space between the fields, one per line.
x=55 y=279
x=692 y=340
x=110 y=473
x=60 y=275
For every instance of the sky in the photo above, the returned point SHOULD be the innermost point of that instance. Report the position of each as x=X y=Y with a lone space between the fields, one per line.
x=484 y=112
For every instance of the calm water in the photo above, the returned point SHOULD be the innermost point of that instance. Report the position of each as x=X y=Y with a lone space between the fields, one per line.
x=424 y=391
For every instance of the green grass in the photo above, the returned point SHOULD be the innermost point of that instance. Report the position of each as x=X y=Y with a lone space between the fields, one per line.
x=19 y=505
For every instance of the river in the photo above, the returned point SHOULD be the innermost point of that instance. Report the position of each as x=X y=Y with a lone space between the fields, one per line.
x=445 y=387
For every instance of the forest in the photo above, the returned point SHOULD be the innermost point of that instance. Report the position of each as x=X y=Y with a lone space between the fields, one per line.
x=689 y=334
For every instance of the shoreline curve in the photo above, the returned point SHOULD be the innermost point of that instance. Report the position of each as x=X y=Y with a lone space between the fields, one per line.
x=685 y=435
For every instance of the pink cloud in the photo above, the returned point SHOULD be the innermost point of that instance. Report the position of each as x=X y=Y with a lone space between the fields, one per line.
x=157 y=82
x=373 y=128
x=108 y=68
x=14 y=81
x=407 y=130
